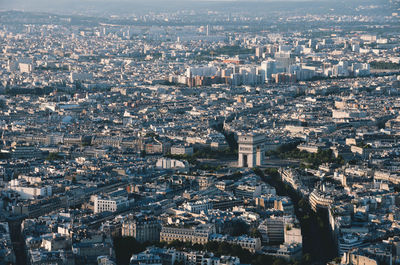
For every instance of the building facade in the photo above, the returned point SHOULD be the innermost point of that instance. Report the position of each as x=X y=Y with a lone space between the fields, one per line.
x=145 y=229
x=251 y=150
x=196 y=235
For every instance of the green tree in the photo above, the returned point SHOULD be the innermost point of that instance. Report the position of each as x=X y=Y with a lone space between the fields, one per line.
x=224 y=248
x=306 y=259
x=254 y=232
x=124 y=248
x=238 y=228
x=53 y=156
x=280 y=262
x=258 y=172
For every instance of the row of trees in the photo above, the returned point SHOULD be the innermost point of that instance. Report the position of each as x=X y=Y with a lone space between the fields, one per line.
x=27 y=91
x=208 y=153
x=311 y=160
x=54 y=156
x=317 y=242
x=229 y=50
x=385 y=65
x=125 y=247
x=318 y=245
x=205 y=152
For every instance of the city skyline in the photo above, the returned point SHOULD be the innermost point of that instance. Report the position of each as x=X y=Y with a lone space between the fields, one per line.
x=200 y=132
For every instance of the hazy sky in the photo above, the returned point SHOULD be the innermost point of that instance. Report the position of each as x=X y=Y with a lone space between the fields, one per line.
x=76 y=3
x=80 y=5
x=137 y=6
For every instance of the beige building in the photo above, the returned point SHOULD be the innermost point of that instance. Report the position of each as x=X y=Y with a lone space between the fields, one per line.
x=194 y=235
x=293 y=234
x=319 y=200
x=145 y=229
x=251 y=150
x=181 y=150
x=352 y=258
x=249 y=243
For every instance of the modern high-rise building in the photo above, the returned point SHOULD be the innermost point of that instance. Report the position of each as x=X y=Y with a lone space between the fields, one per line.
x=259 y=51
x=275 y=230
x=268 y=68
x=283 y=61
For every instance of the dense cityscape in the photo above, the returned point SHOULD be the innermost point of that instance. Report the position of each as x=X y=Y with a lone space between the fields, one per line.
x=200 y=132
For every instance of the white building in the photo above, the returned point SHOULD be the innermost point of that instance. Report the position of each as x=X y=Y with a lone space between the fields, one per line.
x=181 y=150
x=201 y=71
x=251 y=244
x=110 y=204
x=348 y=242
x=28 y=192
x=268 y=68
x=25 y=68
x=293 y=234
x=167 y=163
x=248 y=191
x=198 y=206
x=75 y=76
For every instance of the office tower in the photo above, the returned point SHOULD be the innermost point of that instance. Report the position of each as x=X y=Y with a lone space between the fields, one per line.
x=268 y=68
